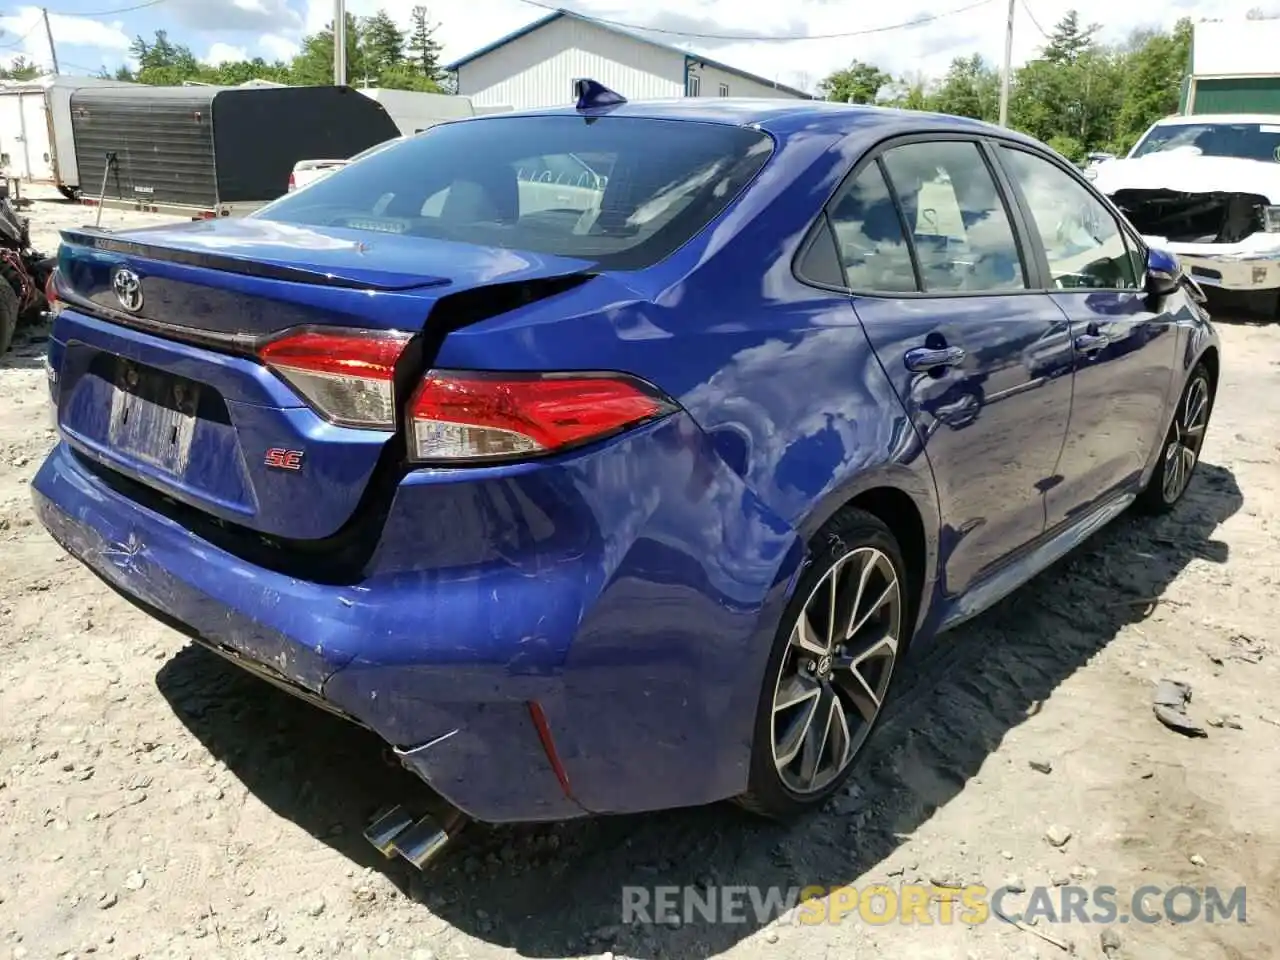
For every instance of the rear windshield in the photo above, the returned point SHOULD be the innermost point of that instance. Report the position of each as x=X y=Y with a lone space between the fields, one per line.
x=1247 y=141
x=621 y=191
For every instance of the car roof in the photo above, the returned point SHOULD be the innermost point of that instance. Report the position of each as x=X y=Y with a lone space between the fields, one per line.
x=780 y=117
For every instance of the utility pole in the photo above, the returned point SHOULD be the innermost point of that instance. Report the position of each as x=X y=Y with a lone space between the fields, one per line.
x=1008 y=67
x=48 y=32
x=339 y=43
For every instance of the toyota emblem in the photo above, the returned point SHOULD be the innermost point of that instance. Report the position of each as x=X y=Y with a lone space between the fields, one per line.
x=128 y=289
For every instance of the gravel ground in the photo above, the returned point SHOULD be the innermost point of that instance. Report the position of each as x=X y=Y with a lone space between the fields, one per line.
x=156 y=802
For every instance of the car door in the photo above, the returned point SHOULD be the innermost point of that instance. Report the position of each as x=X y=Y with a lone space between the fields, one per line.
x=946 y=298
x=1125 y=342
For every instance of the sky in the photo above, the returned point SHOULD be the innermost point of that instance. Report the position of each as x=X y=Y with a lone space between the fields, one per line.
x=90 y=34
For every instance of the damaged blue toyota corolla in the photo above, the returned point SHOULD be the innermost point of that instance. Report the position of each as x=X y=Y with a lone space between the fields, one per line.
x=608 y=458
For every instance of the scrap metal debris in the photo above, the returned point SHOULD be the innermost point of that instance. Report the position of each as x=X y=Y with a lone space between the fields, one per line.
x=1170 y=705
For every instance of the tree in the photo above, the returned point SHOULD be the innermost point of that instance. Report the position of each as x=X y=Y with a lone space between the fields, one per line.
x=971 y=88
x=382 y=43
x=314 y=65
x=1069 y=40
x=857 y=83
x=422 y=44
x=1153 y=74
x=162 y=62
x=20 y=69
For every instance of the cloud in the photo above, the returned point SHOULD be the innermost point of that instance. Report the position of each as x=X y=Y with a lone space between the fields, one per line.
x=24 y=29
x=225 y=53
x=277 y=47
x=225 y=16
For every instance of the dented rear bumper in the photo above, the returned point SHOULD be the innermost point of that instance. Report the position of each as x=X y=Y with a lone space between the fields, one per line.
x=536 y=641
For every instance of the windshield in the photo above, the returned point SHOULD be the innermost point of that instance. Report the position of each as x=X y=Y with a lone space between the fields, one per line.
x=1247 y=141
x=622 y=191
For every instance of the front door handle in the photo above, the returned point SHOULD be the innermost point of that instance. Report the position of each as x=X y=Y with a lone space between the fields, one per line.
x=925 y=359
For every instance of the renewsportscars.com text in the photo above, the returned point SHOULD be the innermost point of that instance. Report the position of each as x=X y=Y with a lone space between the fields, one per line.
x=927 y=904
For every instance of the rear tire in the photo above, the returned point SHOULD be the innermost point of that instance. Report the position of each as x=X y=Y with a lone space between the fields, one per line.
x=8 y=316
x=830 y=669
x=71 y=193
x=1180 y=452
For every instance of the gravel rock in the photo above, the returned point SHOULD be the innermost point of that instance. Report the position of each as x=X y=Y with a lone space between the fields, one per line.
x=1014 y=884
x=1057 y=835
x=107 y=900
x=1198 y=860
x=1041 y=766
x=135 y=880
x=1110 y=941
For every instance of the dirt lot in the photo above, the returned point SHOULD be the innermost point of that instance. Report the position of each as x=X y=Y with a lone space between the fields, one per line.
x=155 y=802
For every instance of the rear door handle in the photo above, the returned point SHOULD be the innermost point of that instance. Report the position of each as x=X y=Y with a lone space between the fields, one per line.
x=1091 y=341
x=924 y=359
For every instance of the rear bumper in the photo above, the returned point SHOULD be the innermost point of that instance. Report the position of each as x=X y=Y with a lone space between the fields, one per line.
x=631 y=592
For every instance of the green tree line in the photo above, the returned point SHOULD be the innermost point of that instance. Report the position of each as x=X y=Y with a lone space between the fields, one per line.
x=379 y=54
x=1079 y=95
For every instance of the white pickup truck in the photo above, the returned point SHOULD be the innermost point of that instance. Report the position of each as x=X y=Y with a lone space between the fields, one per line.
x=1207 y=188
x=307 y=171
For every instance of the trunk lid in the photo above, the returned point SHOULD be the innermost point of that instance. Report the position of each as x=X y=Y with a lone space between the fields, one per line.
x=162 y=384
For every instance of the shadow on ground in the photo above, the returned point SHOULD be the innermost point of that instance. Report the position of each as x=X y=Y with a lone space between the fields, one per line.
x=28 y=350
x=551 y=891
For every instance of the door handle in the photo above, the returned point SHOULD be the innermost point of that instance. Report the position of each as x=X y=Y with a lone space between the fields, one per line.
x=924 y=359
x=1092 y=341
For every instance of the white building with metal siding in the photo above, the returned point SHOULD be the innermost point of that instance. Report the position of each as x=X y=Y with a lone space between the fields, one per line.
x=536 y=67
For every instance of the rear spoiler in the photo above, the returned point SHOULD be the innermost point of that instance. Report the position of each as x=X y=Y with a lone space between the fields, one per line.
x=96 y=239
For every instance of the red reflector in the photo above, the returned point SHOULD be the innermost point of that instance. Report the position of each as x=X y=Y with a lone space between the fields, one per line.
x=540 y=724
x=347 y=375
x=51 y=288
x=293 y=182
x=468 y=416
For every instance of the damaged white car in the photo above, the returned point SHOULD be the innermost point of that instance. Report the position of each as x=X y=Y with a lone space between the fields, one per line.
x=1207 y=188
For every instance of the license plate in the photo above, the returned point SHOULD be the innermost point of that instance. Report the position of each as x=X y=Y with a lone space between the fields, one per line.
x=153 y=417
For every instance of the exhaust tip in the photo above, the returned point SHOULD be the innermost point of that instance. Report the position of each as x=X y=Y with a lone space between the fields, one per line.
x=418 y=840
x=384 y=829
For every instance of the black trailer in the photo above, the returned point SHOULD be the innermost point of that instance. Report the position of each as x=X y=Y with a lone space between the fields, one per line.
x=213 y=151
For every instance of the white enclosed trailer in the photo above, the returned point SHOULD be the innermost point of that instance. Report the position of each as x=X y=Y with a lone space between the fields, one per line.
x=414 y=111
x=36 y=140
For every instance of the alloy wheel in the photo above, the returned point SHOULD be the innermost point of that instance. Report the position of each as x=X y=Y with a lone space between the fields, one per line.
x=1183 y=451
x=836 y=670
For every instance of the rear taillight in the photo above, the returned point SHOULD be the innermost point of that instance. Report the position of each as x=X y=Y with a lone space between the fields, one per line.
x=293 y=182
x=457 y=416
x=51 y=293
x=347 y=375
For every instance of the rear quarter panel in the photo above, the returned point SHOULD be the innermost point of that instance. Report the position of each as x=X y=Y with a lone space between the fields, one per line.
x=792 y=416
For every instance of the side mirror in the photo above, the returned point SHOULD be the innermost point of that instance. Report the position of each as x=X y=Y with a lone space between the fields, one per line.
x=1164 y=275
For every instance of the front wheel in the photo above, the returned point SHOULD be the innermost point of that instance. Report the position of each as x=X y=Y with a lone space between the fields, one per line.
x=1182 y=445
x=831 y=666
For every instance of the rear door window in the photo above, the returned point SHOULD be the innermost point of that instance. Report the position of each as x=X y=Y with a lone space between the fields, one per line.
x=963 y=239
x=622 y=191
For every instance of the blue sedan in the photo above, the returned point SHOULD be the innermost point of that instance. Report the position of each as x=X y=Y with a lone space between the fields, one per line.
x=610 y=458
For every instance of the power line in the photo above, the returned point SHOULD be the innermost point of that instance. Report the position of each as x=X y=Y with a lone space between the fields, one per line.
x=21 y=39
x=107 y=13
x=1034 y=21
x=749 y=38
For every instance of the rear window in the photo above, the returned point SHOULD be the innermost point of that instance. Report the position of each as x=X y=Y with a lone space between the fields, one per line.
x=621 y=191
